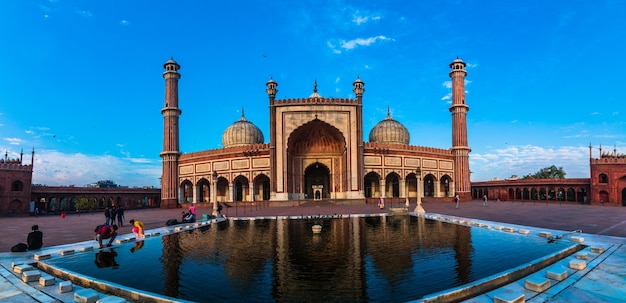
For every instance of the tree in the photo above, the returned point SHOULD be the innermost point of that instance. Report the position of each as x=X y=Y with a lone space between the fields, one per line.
x=551 y=172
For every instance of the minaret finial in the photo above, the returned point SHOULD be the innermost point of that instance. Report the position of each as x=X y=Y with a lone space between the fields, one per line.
x=315 y=86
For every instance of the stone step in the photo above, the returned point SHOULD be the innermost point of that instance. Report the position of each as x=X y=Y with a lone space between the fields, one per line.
x=87 y=295
x=537 y=284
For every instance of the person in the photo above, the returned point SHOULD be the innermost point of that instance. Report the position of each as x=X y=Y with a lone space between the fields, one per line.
x=112 y=215
x=188 y=218
x=381 y=203
x=34 y=240
x=36 y=211
x=485 y=200
x=192 y=209
x=456 y=199
x=106 y=232
x=107 y=216
x=120 y=216
x=219 y=209
x=138 y=228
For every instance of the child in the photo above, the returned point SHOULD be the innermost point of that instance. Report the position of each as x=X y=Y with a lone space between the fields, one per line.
x=137 y=228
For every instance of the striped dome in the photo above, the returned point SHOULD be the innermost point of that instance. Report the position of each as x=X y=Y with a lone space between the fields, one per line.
x=389 y=131
x=242 y=132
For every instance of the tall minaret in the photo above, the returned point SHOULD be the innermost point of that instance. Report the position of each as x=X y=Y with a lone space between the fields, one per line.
x=170 y=153
x=271 y=91
x=360 y=175
x=460 y=148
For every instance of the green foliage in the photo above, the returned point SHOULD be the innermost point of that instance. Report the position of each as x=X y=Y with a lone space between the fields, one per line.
x=551 y=172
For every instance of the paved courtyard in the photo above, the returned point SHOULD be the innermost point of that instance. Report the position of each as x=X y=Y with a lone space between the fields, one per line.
x=605 y=223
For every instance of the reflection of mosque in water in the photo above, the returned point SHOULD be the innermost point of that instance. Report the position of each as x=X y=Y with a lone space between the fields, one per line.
x=316 y=151
x=340 y=258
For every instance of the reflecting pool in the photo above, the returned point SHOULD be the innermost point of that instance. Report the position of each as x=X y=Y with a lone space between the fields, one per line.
x=358 y=259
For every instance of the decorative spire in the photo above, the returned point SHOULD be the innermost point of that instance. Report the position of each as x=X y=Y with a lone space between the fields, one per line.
x=315 y=94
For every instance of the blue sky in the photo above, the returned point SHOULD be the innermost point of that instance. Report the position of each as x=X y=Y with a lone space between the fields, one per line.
x=82 y=80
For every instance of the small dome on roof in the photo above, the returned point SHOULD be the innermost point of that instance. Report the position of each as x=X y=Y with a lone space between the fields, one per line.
x=390 y=131
x=242 y=132
x=315 y=94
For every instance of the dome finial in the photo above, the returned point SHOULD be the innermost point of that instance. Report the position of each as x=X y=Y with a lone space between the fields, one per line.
x=242 y=115
x=388 y=111
x=315 y=86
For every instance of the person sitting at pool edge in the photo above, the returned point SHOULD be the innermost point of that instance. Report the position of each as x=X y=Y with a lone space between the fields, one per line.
x=35 y=238
x=138 y=228
x=106 y=232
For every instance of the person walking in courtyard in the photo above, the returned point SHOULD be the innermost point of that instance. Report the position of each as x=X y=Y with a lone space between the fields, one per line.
x=120 y=215
x=137 y=228
x=456 y=199
x=107 y=216
x=485 y=200
x=113 y=213
x=35 y=238
x=381 y=203
x=106 y=232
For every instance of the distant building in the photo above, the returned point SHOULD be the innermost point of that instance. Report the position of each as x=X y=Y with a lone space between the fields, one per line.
x=15 y=184
x=608 y=178
x=19 y=197
x=607 y=185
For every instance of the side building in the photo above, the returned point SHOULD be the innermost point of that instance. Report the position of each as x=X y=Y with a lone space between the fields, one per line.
x=607 y=185
x=15 y=184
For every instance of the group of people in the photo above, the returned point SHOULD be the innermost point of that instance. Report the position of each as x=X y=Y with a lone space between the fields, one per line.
x=110 y=213
x=106 y=231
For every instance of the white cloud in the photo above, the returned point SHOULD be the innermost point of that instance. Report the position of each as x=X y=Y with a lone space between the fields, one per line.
x=528 y=159
x=14 y=141
x=124 y=22
x=55 y=168
x=351 y=44
x=447 y=84
x=84 y=13
x=360 y=19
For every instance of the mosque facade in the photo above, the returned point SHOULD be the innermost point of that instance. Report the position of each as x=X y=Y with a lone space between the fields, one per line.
x=316 y=151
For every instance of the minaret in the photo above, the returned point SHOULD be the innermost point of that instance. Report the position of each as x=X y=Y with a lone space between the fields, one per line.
x=358 y=92
x=170 y=153
x=271 y=91
x=460 y=148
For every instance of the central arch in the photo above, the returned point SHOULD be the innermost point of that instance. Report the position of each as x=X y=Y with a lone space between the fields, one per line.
x=316 y=155
x=317 y=177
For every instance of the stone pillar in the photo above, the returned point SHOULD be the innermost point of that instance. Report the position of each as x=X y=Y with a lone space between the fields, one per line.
x=403 y=189
x=437 y=192
x=383 y=193
x=251 y=187
x=231 y=193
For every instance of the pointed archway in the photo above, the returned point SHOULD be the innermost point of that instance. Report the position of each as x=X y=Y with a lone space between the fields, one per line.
x=317 y=181
x=316 y=152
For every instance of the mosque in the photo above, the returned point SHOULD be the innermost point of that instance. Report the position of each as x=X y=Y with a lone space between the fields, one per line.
x=316 y=152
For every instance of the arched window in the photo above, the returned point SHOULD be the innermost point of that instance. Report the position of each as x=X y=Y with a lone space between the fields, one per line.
x=604 y=178
x=17 y=186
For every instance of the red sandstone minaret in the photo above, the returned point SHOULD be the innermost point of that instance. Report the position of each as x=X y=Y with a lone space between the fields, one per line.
x=460 y=148
x=170 y=153
x=271 y=91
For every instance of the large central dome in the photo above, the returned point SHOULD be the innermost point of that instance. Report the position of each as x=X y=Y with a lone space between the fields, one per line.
x=389 y=131
x=242 y=132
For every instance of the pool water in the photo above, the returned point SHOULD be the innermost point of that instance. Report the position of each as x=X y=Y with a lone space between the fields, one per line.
x=366 y=259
